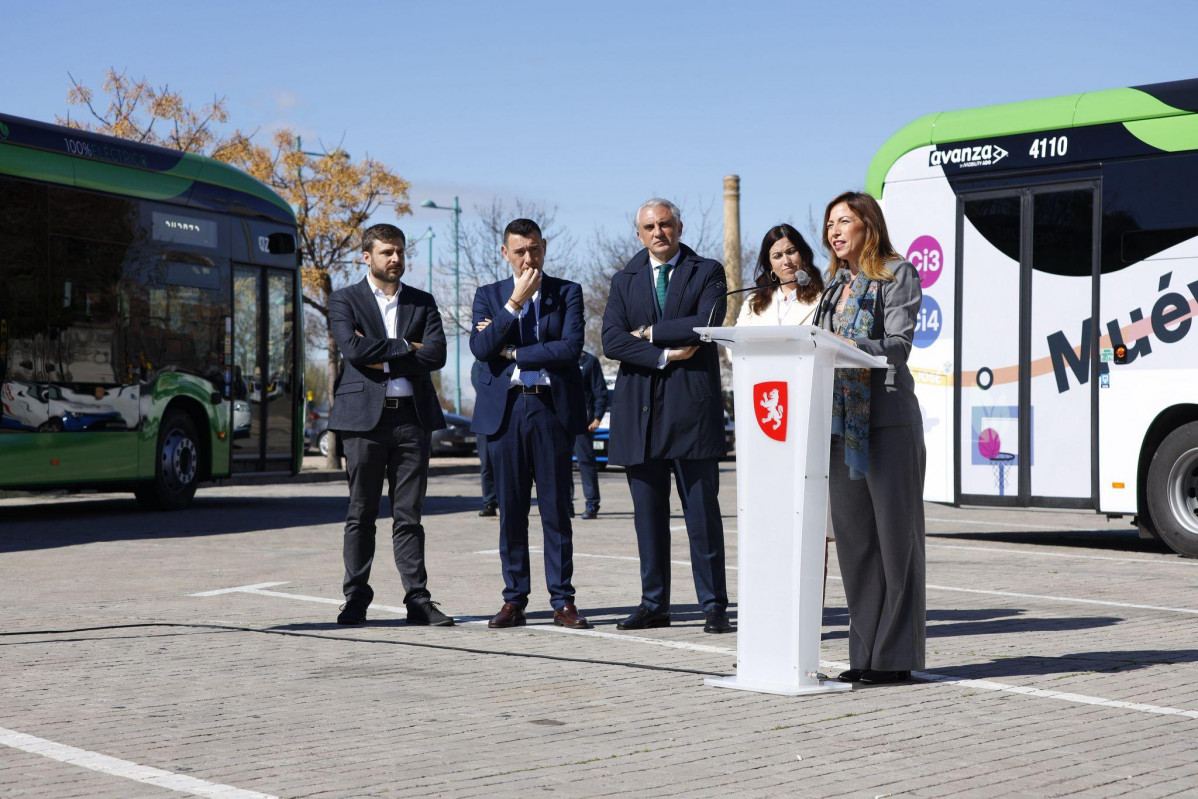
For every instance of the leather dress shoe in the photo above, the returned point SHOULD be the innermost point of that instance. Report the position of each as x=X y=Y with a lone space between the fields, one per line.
x=642 y=619
x=567 y=616
x=851 y=675
x=510 y=615
x=425 y=612
x=871 y=677
x=353 y=613
x=717 y=621
x=591 y=513
x=490 y=509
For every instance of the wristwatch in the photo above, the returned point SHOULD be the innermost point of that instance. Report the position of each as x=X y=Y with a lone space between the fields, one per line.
x=510 y=352
x=641 y=330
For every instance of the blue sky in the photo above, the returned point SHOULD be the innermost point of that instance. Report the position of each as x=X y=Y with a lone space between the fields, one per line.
x=592 y=107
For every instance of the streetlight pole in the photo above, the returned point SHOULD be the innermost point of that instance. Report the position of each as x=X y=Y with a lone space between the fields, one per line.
x=457 y=295
x=429 y=235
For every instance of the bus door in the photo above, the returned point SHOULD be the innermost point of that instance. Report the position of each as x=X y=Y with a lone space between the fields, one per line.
x=1026 y=351
x=262 y=383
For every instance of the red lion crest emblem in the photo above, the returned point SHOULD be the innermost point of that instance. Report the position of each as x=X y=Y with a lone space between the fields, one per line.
x=769 y=405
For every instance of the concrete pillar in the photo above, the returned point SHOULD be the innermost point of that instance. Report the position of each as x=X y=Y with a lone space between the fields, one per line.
x=732 y=265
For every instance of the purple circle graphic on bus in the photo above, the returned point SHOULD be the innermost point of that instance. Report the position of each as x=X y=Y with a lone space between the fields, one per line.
x=928 y=323
x=926 y=255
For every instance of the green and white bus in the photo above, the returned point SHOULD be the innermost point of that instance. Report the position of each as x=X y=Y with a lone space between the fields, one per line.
x=1056 y=358
x=150 y=318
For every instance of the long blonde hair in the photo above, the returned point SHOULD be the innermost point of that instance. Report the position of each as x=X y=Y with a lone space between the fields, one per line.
x=878 y=250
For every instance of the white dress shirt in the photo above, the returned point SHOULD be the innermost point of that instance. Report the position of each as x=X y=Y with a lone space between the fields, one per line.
x=783 y=309
x=389 y=308
x=533 y=306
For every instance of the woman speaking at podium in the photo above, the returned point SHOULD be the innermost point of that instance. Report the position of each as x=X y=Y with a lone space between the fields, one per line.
x=875 y=483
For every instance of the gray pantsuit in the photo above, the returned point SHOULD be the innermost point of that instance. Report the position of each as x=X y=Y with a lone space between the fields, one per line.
x=879 y=543
x=879 y=520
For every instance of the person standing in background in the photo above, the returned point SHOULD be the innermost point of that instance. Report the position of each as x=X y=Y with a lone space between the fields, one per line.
x=486 y=471
x=595 y=395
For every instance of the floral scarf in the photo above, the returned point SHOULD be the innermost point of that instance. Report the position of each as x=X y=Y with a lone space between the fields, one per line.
x=850 y=387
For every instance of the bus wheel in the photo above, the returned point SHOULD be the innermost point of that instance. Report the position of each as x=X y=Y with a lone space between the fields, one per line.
x=177 y=466
x=1173 y=490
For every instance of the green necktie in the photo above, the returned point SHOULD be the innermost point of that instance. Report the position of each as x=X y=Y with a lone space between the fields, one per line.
x=663 y=283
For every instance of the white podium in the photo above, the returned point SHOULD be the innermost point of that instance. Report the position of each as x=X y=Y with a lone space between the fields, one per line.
x=782 y=379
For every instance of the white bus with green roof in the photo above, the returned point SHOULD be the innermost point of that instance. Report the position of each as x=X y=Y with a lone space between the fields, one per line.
x=1056 y=358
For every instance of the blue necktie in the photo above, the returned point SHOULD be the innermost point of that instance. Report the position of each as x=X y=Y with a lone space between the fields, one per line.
x=528 y=335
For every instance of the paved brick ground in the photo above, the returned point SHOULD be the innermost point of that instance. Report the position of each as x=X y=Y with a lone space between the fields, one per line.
x=106 y=648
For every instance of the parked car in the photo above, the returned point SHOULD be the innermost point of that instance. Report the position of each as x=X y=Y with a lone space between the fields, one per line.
x=456 y=438
x=316 y=429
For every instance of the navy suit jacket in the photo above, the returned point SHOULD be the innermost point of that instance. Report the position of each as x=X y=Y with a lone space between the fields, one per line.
x=559 y=341
x=359 y=392
x=683 y=399
x=594 y=387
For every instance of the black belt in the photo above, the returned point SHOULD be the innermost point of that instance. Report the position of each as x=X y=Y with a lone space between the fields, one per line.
x=391 y=403
x=523 y=389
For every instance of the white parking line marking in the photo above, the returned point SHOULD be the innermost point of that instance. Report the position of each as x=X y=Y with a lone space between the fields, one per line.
x=238 y=589
x=939 y=679
x=989 y=685
x=124 y=768
x=1052 y=598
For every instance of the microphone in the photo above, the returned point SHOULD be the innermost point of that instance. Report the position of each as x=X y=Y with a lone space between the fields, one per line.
x=842 y=277
x=801 y=278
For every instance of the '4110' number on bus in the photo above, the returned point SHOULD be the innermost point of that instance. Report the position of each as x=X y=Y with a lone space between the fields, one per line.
x=1050 y=147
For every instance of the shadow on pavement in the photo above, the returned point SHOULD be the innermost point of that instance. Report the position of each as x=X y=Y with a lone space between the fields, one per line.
x=71 y=523
x=1083 y=662
x=1109 y=540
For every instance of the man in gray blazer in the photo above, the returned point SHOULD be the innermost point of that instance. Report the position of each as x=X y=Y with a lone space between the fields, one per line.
x=385 y=409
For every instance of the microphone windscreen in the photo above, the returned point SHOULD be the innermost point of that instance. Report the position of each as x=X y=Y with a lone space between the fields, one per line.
x=802 y=278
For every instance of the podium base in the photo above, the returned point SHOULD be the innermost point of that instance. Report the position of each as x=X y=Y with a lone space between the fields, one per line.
x=761 y=687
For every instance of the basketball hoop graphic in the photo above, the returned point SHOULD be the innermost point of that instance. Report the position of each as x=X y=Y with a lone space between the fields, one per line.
x=990 y=447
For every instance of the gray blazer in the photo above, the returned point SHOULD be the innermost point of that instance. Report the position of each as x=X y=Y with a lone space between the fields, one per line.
x=891 y=390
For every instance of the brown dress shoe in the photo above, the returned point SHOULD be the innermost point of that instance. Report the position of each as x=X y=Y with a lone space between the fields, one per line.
x=567 y=616
x=510 y=615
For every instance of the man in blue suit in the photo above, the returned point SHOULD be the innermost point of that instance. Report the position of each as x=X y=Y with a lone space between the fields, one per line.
x=386 y=409
x=528 y=331
x=667 y=417
x=595 y=395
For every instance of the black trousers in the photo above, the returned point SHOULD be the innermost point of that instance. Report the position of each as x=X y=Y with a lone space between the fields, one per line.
x=698 y=483
x=396 y=450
